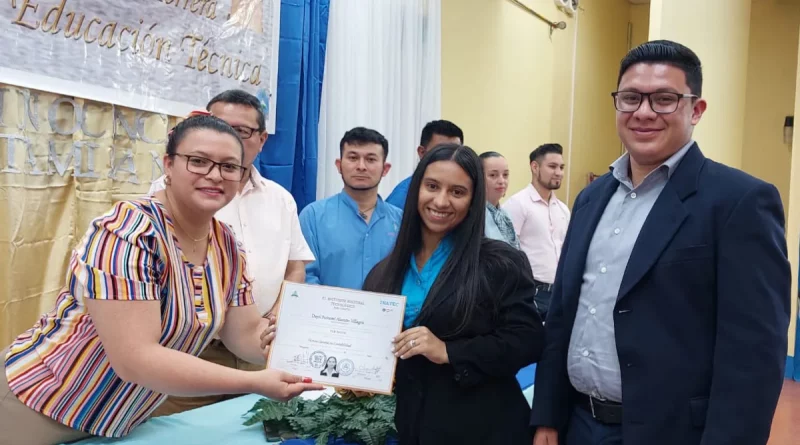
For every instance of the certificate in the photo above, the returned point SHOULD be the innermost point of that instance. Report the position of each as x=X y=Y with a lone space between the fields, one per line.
x=338 y=337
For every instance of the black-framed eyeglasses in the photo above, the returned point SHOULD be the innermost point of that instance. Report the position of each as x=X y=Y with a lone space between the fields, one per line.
x=203 y=166
x=662 y=102
x=245 y=132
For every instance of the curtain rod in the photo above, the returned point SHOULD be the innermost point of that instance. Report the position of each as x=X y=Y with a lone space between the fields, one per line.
x=553 y=25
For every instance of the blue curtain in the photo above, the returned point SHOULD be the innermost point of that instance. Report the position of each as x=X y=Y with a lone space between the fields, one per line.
x=290 y=155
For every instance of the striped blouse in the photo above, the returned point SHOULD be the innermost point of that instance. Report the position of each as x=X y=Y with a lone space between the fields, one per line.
x=59 y=368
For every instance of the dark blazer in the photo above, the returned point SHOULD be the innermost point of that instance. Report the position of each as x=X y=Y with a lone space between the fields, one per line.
x=475 y=399
x=701 y=317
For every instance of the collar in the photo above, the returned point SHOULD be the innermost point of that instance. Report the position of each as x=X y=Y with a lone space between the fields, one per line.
x=535 y=196
x=256 y=181
x=353 y=205
x=439 y=255
x=621 y=167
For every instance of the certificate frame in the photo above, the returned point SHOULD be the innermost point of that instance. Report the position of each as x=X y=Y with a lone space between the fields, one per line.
x=387 y=307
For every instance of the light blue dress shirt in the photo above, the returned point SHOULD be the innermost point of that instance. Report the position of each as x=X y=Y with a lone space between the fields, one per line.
x=417 y=283
x=398 y=196
x=592 y=361
x=345 y=246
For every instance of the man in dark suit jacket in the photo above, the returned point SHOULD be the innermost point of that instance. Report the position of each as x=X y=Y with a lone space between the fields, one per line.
x=670 y=309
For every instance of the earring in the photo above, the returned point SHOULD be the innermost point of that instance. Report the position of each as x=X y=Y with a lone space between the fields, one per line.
x=168 y=180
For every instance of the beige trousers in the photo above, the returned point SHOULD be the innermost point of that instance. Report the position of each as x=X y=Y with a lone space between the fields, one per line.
x=216 y=352
x=20 y=425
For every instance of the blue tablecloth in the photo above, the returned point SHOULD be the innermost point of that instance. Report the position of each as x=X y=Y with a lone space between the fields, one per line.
x=221 y=423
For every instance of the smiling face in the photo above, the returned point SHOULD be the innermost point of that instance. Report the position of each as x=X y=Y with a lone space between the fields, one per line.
x=495 y=170
x=203 y=193
x=445 y=195
x=650 y=137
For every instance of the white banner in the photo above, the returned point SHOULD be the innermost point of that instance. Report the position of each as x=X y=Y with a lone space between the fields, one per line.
x=163 y=56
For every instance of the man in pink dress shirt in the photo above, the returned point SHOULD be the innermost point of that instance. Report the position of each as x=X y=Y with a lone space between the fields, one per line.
x=540 y=219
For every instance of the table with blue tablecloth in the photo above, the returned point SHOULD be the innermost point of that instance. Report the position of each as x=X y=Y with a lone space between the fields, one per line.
x=221 y=423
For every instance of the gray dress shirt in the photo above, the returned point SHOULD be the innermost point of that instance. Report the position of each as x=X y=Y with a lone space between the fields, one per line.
x=592 y=361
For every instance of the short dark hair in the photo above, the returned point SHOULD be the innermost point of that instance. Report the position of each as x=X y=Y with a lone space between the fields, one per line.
x=364 y=136
x=490 y=154
x=669 y=53
x=241 y=97
x=200 y=122
x=544 y=150
x=442 y=128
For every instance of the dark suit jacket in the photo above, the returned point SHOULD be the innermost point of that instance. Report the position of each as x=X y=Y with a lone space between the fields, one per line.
x=702 y=314
x=475 y=399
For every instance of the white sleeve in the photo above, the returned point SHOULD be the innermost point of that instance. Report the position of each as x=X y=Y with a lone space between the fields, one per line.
x=299 y=250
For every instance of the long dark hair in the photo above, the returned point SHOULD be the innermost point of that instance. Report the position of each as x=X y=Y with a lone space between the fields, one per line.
x=463 y=263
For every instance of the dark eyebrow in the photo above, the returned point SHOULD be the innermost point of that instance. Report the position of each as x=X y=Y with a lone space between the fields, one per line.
x=659 y=90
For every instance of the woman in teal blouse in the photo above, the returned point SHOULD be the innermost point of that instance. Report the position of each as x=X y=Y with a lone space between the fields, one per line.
x=469 y=326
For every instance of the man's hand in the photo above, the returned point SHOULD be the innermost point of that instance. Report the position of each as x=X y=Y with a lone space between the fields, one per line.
x=268 y=334
x=545 y=436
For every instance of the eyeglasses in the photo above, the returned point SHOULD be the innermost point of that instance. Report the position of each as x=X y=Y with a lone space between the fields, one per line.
x=203 y=166
x=245 y=132
x=660 y=102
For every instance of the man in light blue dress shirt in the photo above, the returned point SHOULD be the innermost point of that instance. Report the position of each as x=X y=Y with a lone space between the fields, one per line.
x=670 y=309
x=350 y=232
x=434 y=133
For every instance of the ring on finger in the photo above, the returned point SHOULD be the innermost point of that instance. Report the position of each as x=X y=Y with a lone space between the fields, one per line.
x=412 y=343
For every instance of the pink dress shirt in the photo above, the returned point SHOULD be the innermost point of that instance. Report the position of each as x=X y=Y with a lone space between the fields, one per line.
x=541 y=227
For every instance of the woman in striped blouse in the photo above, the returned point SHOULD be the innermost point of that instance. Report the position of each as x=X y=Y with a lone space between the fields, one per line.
x=150 y=285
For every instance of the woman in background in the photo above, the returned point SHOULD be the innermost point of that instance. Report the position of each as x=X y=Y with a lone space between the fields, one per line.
x=498 y=223
x=468 y=326
x=148 y=287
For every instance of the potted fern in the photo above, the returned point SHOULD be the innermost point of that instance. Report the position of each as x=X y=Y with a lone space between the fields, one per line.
x=340 y=419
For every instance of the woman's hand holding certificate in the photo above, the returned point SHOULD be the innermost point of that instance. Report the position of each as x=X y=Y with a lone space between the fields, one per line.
x=420 y=341
x=279 y=385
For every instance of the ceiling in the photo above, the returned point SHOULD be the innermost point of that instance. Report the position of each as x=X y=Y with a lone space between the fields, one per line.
x=639 y=2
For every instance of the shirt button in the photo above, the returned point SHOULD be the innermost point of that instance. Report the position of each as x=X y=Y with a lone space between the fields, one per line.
x=585 y=352
x=603 y=269
x=419 y=283
x=616 y=231
x=633 y=195
x=592 y=311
